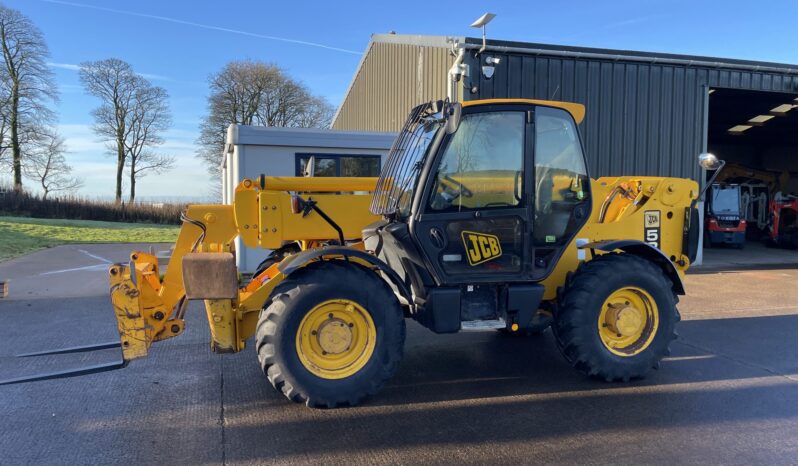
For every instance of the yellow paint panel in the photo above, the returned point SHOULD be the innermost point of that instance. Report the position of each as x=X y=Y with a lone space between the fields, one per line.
x=319 y=184
x=278 y=223
x=628 y=221
x=222 y=320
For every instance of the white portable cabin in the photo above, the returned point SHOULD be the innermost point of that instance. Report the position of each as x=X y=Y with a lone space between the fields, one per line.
x=254 y=150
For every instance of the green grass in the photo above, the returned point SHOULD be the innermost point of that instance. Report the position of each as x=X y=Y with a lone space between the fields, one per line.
x=19 y=235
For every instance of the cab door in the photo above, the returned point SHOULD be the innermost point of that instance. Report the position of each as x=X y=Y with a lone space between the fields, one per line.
x=561 y=188
x=473 y=219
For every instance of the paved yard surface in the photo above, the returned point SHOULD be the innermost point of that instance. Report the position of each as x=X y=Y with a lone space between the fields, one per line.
x=728 y=394
x=754 y=255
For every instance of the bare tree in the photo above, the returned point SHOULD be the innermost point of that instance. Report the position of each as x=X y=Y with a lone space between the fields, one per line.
x=150 y=117
x=255 y=93
x=131 y=117
x=5 y=144
x=318 y=113
x=48 y=167
x=26 y=87
x=114 y=83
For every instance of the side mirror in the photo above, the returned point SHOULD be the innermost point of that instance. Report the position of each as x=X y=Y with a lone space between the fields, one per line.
x=709 y=162
x=455 y=110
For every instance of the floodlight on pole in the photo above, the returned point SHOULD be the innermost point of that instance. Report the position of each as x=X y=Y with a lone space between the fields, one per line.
x=481 y=22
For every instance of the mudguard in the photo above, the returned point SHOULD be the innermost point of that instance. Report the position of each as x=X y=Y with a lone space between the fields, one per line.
x=297 y=261
x=645 y=251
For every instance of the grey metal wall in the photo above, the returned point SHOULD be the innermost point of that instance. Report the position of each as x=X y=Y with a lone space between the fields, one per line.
x=392 y=79
x=642 y=118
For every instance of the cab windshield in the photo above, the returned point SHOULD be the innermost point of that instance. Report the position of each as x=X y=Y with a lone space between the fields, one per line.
x=394 y=192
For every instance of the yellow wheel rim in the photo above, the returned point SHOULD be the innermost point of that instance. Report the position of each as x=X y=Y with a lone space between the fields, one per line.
x=336 y=339
x=628 y=321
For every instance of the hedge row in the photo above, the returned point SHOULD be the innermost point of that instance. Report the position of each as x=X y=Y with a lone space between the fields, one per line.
x=77 y=208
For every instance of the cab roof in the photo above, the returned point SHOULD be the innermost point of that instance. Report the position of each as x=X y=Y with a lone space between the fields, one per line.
x=577 y=111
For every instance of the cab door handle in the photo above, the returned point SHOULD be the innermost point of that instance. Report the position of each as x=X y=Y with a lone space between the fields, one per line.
x=437 y=238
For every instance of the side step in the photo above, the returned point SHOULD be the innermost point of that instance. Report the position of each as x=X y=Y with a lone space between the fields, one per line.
x=93 y=369
x=480 y=325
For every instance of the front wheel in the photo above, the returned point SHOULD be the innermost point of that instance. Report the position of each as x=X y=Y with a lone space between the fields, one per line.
x=616 y=317
x=331 y=334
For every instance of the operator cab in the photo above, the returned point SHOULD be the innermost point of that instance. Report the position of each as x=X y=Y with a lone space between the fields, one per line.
x=481 y=200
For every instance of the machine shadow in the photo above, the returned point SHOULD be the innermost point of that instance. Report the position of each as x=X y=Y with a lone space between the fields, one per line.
x=472 y=366
x=499 y=366
x=737 y=267
x=484 y=388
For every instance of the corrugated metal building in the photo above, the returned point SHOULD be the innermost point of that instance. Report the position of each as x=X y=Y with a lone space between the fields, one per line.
x=396 y=72
x=647 y=113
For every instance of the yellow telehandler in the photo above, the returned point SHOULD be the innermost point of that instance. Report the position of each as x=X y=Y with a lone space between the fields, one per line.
x=483 y=218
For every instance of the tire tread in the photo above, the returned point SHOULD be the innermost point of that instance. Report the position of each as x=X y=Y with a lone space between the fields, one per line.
x=569 y=334
x=277 y=307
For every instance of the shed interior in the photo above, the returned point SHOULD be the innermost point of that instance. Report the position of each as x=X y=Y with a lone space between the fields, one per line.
x=757 y=131
x=754 y=128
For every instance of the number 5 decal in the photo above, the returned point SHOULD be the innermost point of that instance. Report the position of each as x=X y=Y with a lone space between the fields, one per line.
x=651 y=225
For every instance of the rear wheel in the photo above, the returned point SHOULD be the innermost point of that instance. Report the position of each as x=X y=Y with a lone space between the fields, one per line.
x=331 y=334
x=616 y=317
x=276 y=256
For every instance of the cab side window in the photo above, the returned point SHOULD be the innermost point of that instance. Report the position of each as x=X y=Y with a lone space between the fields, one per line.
x=561 y=181
x=483 y=164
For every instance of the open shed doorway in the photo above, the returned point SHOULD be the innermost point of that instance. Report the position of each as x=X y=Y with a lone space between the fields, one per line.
x=751 y=216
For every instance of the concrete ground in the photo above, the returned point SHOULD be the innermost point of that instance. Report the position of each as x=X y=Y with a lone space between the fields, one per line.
x=754 y=255
x=728 y=393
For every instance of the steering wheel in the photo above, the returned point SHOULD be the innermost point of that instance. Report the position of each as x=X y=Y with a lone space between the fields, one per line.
x=449 y=190
x=462 y=190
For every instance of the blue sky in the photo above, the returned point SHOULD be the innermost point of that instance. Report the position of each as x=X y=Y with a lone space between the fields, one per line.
x=178 y=44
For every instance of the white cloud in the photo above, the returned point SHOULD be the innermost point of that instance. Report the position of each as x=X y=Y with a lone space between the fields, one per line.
x=80 y=138
x=65 y=66
x=155 y=77
x=90 y=160
x=70 y=88
x=76 y=67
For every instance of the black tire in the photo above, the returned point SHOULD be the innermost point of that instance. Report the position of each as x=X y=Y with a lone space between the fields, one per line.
x=576 y=321
x=294 y=298
x=276 y=256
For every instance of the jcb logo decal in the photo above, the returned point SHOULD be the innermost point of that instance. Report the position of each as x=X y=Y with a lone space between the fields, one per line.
x=651 y=224
x=481 y=247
